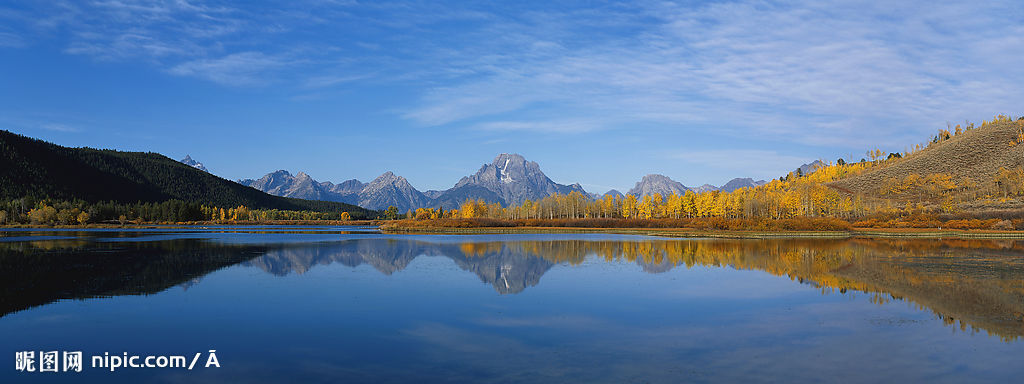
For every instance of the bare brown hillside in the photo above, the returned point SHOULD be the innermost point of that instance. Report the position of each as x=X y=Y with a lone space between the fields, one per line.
x=974 y=155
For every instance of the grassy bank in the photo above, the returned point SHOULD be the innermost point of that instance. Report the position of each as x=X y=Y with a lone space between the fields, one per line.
x=164 y=224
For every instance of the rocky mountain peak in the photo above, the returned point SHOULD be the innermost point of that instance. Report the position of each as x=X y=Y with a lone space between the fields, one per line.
x=349 y=186
x=810 y=167
x=705 y=188
x=655 y=183
x=511 y=177
x=655 y=178
x=192 y=163
x=387 y=178
x=389 y=189
x=509 y=157
x=509 y=168
x=737 y=183
x=614 y=193
x=280 y=173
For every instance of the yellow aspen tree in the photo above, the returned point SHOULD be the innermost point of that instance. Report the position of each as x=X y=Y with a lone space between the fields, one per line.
x=467 y=210
x=629 y=207
x=718 y=205
x=674 y=205
x=646 y=207
x=690 y=204
x=656 y=204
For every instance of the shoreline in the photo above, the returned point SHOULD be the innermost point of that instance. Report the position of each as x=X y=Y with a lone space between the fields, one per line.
x=870 y=233
x=293 y=223
x=863 y=233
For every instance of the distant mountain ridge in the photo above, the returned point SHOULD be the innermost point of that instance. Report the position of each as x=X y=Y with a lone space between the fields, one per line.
x=391 y=190
x=613 y=193
x=508 y=180
x=810 y=167
x=299 y=186
x=660 y=184
x=705 y=188
x=738 y=183
x=513 y=179
x=665 y=186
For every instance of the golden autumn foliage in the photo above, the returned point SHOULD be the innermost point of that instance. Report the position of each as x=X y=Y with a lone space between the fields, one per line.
x=1019 y=139
x=83 y=218
x=825 y=191
x=44 y=214
x=249 y=215
x=932 y=185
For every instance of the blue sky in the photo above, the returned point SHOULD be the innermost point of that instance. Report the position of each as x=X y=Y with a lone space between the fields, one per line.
x=597 y=93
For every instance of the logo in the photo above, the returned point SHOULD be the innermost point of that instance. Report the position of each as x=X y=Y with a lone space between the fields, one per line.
x=48 y=361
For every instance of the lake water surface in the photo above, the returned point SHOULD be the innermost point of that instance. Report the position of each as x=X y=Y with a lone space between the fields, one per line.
x=348 y=304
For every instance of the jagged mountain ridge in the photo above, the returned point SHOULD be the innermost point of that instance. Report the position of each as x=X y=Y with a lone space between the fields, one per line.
x=509 y=180
x=391 y=190
x=741 y=182
x=512 y=178
x=736 y=183
x=660 y=184
x=347 y=187
x=194 y=164
x=705 y=188
x=300 y=186
x=386 y=190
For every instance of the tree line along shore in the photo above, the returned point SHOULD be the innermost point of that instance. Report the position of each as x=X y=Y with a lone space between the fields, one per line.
x=965 y=178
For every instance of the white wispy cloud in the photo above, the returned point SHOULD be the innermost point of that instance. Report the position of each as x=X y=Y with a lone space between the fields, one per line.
x=58 y=127
x=238 y=69
x=554 y=126
x=750 y=162
x=11 y=40
x=836 y=72
x=332 y=80
x=179 y=36
x=825 y=72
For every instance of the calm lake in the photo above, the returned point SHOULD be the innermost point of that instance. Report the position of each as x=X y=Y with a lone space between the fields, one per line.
x=348 y=304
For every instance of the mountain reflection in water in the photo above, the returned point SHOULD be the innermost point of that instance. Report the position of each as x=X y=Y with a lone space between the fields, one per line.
x=973 y=285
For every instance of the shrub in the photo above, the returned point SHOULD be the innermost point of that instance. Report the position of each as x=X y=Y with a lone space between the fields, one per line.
x=1003 y=225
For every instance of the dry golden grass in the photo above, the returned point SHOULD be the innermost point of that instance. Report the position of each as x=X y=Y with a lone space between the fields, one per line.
x=974 y=155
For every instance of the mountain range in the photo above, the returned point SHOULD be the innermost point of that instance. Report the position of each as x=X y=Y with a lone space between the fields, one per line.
x=665 y=186
x=508 y=180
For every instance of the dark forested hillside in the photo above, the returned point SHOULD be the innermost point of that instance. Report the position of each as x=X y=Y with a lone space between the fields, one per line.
x=30 y=167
